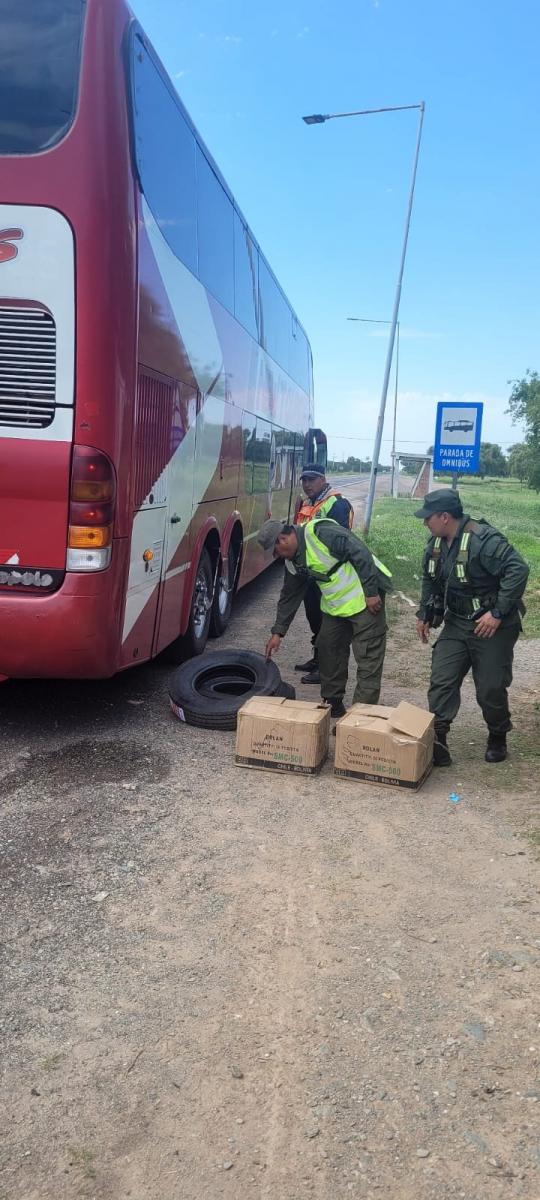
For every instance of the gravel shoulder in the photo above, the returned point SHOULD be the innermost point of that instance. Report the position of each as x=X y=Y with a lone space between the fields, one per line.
x=226 y=983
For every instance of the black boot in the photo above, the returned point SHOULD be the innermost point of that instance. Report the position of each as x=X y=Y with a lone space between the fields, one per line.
x=441 y=753
x=311 y=665
x=496 y=750
x=337 y=710
x=313 y=677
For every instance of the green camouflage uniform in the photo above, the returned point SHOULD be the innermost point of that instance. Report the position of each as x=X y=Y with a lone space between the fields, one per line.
x=495 y=577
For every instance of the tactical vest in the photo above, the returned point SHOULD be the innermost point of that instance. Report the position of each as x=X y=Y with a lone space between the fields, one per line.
x=460 y=569
x=342 y=594
x=308 y=511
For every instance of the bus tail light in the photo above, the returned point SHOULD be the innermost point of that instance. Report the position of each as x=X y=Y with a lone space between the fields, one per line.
x=91 y=510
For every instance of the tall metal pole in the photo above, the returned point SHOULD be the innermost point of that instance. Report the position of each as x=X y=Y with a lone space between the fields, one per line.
x=392 y=477
x=374 y=321
x=395 y=314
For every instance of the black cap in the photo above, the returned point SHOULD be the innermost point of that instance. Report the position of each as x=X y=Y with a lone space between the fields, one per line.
x=441 y=500
x=311 y=471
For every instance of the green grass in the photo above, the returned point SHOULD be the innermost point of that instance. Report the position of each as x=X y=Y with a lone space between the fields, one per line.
x=398 y=537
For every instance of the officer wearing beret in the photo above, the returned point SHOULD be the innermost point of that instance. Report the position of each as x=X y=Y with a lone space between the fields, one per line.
x=473 y=582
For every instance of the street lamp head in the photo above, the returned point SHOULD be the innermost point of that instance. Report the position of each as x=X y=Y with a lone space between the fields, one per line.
x=315 y=119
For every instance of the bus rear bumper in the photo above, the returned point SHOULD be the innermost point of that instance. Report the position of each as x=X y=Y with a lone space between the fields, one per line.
x=72 y=634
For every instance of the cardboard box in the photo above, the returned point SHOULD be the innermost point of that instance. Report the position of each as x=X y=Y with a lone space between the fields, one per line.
x=282 y=735
x=393 y=746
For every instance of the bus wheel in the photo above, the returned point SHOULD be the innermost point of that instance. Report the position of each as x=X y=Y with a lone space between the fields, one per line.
x=224 y=593
x=195 y=638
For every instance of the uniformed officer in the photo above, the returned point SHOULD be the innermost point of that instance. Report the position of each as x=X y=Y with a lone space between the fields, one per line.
x=473 y=580
x=321 y=501
x=352 y=584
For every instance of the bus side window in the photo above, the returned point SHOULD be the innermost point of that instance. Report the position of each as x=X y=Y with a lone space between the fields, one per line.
x=275 y=317
x=215 y=230
x=249 y=437
x=165 y=150
x=315 y=448
x=298 y=462
x=299 y=355
x=262 y=454
x=246 y=278
x=280 y=466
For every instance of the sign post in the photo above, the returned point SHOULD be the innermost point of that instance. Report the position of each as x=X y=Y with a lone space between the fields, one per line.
x=457 y=438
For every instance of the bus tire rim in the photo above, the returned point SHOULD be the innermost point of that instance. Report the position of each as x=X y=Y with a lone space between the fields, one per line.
x=202 y=604
x=224 y=591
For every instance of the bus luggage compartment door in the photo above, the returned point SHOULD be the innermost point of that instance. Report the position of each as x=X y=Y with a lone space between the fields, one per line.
x=150 y=479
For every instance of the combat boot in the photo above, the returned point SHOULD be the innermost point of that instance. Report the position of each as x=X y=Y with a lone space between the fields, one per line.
x=441 y=753
x=313 y=677
x=312 y=664
x=496 y=749
x=337 y=710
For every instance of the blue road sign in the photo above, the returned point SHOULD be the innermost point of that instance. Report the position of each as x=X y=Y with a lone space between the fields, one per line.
x=457 y=437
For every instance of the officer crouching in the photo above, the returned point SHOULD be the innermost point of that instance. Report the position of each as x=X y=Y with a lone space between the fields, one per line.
x=352 y=583
x=473 y=582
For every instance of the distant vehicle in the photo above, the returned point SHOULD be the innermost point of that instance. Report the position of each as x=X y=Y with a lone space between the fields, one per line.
x=459 y=426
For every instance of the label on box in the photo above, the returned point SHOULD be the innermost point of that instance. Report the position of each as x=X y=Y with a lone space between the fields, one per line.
x=387 y=780
x=275 y=765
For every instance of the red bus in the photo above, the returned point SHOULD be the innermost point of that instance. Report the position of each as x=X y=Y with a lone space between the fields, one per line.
x=155 y=384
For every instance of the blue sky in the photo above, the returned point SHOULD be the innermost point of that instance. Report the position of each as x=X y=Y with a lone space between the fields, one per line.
x=327 y=203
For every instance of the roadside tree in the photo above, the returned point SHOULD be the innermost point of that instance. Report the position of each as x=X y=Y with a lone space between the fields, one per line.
x=492 y=460
x=524 y=406
x=518 y=459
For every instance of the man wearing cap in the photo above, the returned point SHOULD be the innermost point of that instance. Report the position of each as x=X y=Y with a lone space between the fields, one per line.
x=321 y=501
x=473 y=580
x=352 y=584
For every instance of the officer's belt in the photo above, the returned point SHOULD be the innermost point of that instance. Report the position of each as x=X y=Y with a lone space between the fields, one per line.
x=469 y=606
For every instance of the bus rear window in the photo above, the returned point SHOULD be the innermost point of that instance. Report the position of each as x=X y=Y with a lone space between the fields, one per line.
x=40 y=49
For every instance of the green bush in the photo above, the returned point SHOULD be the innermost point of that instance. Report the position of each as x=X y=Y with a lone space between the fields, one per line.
x=398 y=537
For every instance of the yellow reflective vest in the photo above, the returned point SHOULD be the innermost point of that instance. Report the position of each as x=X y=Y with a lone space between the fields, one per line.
x=342 y=594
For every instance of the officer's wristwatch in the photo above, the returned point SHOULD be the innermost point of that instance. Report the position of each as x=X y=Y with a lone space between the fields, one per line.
x=496 y=612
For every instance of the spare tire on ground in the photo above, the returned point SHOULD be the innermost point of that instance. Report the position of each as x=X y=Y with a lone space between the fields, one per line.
x=208 y=691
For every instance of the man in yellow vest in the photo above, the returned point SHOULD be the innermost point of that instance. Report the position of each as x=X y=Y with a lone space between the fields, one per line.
x=352 y=584
x=321 y=501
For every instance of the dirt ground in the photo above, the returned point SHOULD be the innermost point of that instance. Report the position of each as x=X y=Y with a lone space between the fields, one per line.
x=224 y=983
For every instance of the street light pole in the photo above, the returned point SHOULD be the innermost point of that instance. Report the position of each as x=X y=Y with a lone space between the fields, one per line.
x=393 y=472
x=374 y=321
x=317 y=119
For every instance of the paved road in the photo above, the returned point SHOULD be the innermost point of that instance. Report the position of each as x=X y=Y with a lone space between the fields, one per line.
x=356 y=488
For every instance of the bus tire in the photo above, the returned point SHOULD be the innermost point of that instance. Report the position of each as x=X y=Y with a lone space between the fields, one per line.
x=209 y=692
x=193 y=641
x=224 y=594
